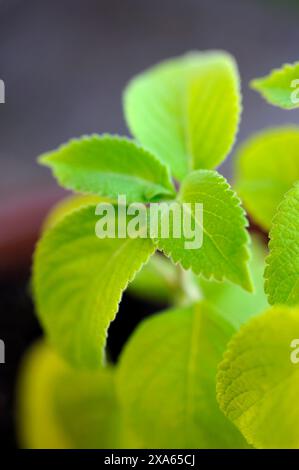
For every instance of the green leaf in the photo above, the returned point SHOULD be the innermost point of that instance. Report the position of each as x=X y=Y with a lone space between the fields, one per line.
x=67 y=205
x=267 y=166
x=213 y=111
x=78 y=280
x=166 y=380
x=258 y=383
x=224 y=252
x=60 y=407
x=186 y=110
x=109 y=166
x=280 y=87
x=282 y=270
x=235 y=304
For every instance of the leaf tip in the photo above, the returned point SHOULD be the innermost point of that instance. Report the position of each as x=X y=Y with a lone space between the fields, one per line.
x=45 y=159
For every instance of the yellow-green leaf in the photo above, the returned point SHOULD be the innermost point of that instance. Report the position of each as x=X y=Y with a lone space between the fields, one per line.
x=166 y=381
x=280 y=87
x=257 y=384
x=186 y=110
x=224 y=252
x=266 y=167
x=282 y=270
x=108 y=166
x=78 y=280
x=68 y=205
x=63 y=408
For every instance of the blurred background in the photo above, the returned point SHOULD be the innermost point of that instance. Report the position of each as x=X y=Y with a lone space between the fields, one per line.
x=64 y=64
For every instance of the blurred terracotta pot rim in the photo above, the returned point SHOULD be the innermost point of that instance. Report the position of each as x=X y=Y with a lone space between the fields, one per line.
x=20 y=221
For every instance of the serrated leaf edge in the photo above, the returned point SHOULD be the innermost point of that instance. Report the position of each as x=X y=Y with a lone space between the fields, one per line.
x=271 y=245
x=212 y=276
x=123 y=286
x=46 y=159
x=256 y=84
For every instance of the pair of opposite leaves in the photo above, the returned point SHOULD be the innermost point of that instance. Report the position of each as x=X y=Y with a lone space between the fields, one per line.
x=261 y=183
x=186 y=113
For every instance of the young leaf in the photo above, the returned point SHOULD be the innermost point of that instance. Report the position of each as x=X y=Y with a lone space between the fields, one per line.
x=156 y=282
x=186 y=110
x=267 y=165
x=257 y=383
x=234 y=303
x=282 y=270
x=166 y=380
x=224 y=252
x=280 y=87
x=109 y=166
x=78 y=280
x=60 y=407
x=213 y=111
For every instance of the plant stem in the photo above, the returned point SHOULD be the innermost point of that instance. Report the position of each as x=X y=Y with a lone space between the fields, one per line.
x=189 y=289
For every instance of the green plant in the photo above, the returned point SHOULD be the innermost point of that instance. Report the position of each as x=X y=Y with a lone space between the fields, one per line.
x=162 y=393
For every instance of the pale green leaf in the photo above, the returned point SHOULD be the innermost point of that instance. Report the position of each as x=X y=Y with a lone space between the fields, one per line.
x=68 y=205
x=166 y=380
x=224 y=252
x=282 y=270
x=157 y=281
x=213 y=111
x=186 y=110
x=267 y=165
x=257 y=383
x=63 y=408
x=280 y=87
x=234 y=303
x=109 y=166
x=78 y=280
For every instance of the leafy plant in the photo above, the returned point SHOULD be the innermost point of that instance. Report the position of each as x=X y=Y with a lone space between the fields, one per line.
x=266 y=167
x=87 y=276
x=280 y=87
x=184 y=115
x=256 y=380
x=188 y=342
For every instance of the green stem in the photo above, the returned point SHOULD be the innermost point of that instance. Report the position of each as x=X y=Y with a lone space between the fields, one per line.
x=189 y=289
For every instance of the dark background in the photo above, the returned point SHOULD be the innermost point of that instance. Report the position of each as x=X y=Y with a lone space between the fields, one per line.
x=64 y=64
